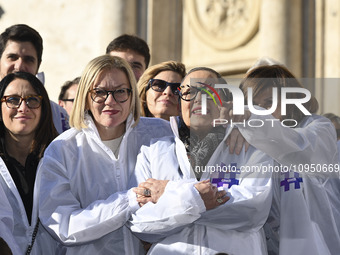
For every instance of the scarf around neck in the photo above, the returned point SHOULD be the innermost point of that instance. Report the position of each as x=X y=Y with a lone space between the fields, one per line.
x=198 y=150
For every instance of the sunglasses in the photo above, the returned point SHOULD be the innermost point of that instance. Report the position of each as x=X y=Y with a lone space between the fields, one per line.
x=160 y=86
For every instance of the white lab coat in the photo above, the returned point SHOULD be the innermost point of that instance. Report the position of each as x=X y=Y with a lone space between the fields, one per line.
x=84 y=193
x=179 y=223
x=60 y=117
x=7 y=220
x=59 y=114
x=19 y=231
x=305 y=214
x=22 y=230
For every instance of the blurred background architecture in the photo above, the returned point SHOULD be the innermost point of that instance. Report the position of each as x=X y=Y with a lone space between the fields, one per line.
x=227 y=35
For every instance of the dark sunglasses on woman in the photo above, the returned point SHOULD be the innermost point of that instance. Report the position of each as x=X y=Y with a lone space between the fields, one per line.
x=160 y=86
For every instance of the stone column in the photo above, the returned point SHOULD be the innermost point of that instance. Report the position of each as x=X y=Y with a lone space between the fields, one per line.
x=329 y=27
x=327 y=65
x=119 y=18
x=164 y=33
x=280 y=32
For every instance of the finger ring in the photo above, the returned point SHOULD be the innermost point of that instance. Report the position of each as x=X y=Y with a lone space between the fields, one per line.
x=147 y=192
x=219 y=200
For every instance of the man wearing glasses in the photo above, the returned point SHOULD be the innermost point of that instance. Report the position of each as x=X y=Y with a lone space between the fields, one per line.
x=67 y=94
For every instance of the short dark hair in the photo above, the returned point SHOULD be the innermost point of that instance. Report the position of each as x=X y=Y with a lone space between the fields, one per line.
x=130 y=42
x=66 y=86
x=332 y=117
x=225 y=93
x=22 y=33
x=203 y=68
x=46 y=131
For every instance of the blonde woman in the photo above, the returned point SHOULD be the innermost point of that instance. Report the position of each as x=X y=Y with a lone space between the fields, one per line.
x=87 y=173
x=158 y=89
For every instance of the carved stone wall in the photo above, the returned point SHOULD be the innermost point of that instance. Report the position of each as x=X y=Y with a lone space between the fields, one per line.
x=224 y=24
x=304 y=35
x=227 y=35
x=221 y=34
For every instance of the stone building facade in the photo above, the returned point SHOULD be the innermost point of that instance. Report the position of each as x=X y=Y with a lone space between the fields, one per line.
x=227 y=35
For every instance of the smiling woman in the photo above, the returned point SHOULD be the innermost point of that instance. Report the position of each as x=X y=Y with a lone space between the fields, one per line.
x=188 y=213
x=158 y=89
x=26 y=128
x=87 y=174
x=109 y=102
x=194 y=85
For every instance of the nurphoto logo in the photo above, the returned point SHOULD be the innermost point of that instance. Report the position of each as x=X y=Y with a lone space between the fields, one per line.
x=238 y=100
x=282 y=98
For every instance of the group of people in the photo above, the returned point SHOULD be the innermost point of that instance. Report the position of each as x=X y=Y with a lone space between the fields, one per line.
x=144 y=169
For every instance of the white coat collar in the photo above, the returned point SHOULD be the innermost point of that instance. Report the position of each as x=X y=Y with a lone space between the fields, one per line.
x=174 y=125
x=92 y=129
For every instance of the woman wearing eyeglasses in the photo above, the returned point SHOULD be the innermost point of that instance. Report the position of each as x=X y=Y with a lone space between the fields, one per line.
x=158 y=89
x=175 y=217
x=85 y=179
x=26 y=129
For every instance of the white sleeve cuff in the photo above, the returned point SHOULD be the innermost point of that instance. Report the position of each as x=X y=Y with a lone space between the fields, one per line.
x=133 y=204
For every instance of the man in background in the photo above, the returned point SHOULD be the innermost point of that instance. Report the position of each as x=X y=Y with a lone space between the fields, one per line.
x=67 y=94
x=134 y=50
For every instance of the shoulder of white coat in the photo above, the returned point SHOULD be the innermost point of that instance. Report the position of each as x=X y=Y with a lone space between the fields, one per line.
x=69 y=134
x=320 y=125
x=155 y=126
x=163 y=141
x=313 y=119
x=65 y=141
x=160 y=146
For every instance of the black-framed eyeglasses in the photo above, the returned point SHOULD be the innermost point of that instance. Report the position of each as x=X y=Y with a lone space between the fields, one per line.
x=100 y=95
x=14 y=101
x=160 y=85
x=68 y=100
x=189 y=93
